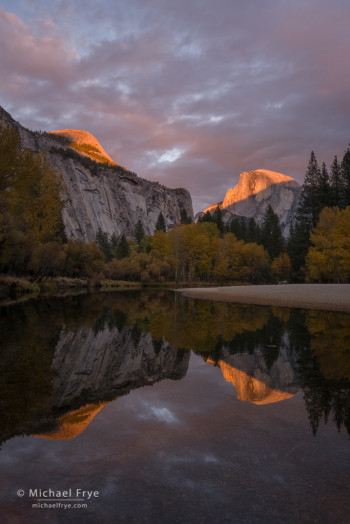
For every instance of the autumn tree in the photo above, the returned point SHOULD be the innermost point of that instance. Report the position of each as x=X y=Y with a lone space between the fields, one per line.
x=30 y=188
x=281 y=267
x=328 y=259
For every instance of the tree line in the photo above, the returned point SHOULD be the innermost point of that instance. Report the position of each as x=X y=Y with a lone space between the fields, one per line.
x=322 y=189
x=33 y=242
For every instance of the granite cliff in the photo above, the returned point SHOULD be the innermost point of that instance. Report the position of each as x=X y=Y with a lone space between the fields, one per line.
x=255 y=191
x=98 y=192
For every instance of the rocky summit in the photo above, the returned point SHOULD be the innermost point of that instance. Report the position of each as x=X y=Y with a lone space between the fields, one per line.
x=255 y=191
x=98 y=192
x=85 y=143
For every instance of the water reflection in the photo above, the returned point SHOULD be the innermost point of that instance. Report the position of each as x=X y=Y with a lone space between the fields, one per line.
x=62 y=359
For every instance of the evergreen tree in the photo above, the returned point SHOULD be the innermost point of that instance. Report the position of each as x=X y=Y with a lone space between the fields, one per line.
x=123 y=248
x=139 y=233
x=253 y=233
x=185 y=219
x=207 y=217
x=160 y=224
x=103 y=243
x=298 y=245
x=235 y=228
x=243 y=229
x=217 y=218
x=324 y=188
x=271 y=234
x=345 y=178
x=335 y=184
x=310 y=206
x=308 y=211
x=114 y=242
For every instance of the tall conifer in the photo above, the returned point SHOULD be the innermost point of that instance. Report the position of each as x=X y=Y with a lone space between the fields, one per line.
x=271 y=234
x=335 y=183
x=160 y=224
x=345 y=178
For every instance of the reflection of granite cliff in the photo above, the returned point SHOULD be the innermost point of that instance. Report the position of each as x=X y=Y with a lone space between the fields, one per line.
x=96 y=366
x=252 y=379
x=90 y=367
x=73 y=423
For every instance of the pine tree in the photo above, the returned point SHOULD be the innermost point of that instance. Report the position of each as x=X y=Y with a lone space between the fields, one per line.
x=207 y=217
x=104 y=245
x=310 y=206
x=139 y=233
x=217 y=218
x=123 y=248
x=308 y=211
x=253 y=233
x=114 y=242
x=345 y=178
x=335 y=184
x=298 y=245
x=235 y=228
x=324 y=188
x=160 y=224
x=185 y=219
x=271 y=234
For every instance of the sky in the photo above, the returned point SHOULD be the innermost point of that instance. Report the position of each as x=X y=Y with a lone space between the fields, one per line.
x=188 y=92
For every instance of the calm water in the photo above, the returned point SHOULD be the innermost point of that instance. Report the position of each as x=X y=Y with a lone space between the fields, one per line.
x=173 y=410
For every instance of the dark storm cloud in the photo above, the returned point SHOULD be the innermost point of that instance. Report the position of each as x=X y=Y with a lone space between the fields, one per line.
x=187 y=93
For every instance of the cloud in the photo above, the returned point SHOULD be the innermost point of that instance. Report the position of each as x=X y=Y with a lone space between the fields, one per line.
x=187 y=93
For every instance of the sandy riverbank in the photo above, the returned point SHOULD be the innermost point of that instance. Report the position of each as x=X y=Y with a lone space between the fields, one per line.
x=311 y=296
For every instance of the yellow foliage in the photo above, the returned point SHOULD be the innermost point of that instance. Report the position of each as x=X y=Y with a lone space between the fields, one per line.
x=328 y=258
x=30 y=188
x=281 y=267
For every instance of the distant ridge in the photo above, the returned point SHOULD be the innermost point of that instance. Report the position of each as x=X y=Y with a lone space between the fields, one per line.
x=86 y=144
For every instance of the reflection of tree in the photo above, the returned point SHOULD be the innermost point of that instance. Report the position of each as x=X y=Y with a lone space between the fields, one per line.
x=324 y=397
x=330 y=332
x=319 y=343
x=30 y=333
x=268 y=338
x=320 y=340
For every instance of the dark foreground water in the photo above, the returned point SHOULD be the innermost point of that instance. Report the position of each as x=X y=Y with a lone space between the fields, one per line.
x=149 y=407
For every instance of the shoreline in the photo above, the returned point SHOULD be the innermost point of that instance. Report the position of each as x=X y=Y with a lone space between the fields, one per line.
x=329 y=297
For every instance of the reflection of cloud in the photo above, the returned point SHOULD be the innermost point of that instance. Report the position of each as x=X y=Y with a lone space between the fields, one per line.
x=161 y=414
x=164 y=414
